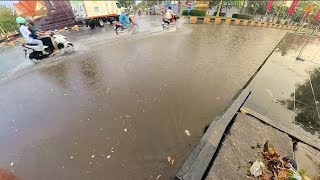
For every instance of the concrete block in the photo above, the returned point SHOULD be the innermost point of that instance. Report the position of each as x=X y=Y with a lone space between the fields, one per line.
x=206 y=20
x=237 y=150
x=193 y=19
x=308 y=158
x=217 y=21
x=237 y=22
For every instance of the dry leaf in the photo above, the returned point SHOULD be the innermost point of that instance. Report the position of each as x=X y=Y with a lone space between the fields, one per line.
x=282 y=175
x=271 y=151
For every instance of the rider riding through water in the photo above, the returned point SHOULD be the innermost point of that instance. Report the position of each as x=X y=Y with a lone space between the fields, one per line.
x=123 y=18
x=169 y=16
x=27 y=35
x=41 y=35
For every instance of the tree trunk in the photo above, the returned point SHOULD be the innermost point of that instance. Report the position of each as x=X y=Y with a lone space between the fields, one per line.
x=244 y=1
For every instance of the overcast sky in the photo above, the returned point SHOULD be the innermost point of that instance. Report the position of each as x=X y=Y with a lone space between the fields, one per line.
x=7 y=3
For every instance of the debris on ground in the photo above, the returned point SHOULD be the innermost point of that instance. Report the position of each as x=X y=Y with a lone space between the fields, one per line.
x=187 y=132
x=272 y=166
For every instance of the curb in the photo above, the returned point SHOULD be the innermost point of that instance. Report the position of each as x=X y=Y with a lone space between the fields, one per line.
x=199 y=159
x=239 y=22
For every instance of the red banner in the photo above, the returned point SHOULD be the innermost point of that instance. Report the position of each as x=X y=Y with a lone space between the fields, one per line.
x=317 y=17
x=269 y=5
x=292 y=7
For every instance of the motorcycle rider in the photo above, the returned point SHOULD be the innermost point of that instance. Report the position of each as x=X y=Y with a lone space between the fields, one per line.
x=124 y=19
x=41 y=35
x=169 y=14
x=26 y=34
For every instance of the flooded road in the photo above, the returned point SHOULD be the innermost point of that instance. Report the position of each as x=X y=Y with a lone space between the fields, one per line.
x=286 y=90
x=118 y=108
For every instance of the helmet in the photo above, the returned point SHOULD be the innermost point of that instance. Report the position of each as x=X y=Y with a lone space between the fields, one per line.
x=21 y=20
x=123 y=9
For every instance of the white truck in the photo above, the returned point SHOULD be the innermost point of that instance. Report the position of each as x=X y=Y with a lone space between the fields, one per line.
x=97 y=12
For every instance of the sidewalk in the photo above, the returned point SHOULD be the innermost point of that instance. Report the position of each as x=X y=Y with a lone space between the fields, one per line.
x=282 y=108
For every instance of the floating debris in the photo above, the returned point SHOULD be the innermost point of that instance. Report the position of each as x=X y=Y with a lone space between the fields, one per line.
x=158 y=177
x=101 y=129
x=169 y=159
x=125 y=130
x=93 y=156
x=127 y=116
x=90 y=162
x=218 y=98
x=12 y=163
x=108 y=156
x=71 y=157
x=187 y=132
x=172 y=161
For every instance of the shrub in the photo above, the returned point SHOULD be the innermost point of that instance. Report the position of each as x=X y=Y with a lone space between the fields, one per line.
x=194 y=12
x=278 y=21
x=241 y=16
x=286 y=23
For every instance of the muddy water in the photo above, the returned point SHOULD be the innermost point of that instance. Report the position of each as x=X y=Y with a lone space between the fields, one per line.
x=117 y=111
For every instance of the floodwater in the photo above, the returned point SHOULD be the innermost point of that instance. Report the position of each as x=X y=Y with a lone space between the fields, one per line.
x=287 y=90
x=119 y=107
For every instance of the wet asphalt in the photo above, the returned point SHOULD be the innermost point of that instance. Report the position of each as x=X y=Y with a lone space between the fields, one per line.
x=118 y=107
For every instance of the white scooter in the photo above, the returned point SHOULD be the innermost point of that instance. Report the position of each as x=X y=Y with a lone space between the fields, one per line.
x=58 y=41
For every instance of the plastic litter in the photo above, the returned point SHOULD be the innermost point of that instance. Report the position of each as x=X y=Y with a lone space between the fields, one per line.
x=257 y=168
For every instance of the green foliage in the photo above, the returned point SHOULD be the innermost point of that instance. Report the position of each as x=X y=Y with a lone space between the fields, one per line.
x=194 y=12
x=299 y=10
x=7 y=19
x=256 y=7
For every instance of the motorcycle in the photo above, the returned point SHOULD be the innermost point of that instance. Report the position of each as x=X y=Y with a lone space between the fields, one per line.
x=166 y=22
x=57 y=42
x=118 y=27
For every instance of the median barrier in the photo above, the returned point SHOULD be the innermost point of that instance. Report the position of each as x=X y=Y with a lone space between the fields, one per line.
x=235 y=21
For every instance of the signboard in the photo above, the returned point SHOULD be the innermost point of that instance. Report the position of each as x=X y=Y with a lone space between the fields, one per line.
x=308 y=8
x=292 y=7
x=269 y=5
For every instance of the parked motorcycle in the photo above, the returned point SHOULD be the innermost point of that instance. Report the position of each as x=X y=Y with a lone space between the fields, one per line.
x=58 y=42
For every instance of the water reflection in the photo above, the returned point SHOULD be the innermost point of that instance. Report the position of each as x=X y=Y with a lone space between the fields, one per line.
x=306 y=103
x=291 y=42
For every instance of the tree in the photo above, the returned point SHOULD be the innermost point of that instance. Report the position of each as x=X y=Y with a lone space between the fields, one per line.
x=7 y=19
x=126 y=3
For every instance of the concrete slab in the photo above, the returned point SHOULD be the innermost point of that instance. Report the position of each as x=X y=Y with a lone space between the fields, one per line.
x=237 y=150
x=198 y=161
x=308 y=158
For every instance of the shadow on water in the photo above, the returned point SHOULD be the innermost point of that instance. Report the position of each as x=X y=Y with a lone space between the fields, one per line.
x=306 y=103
